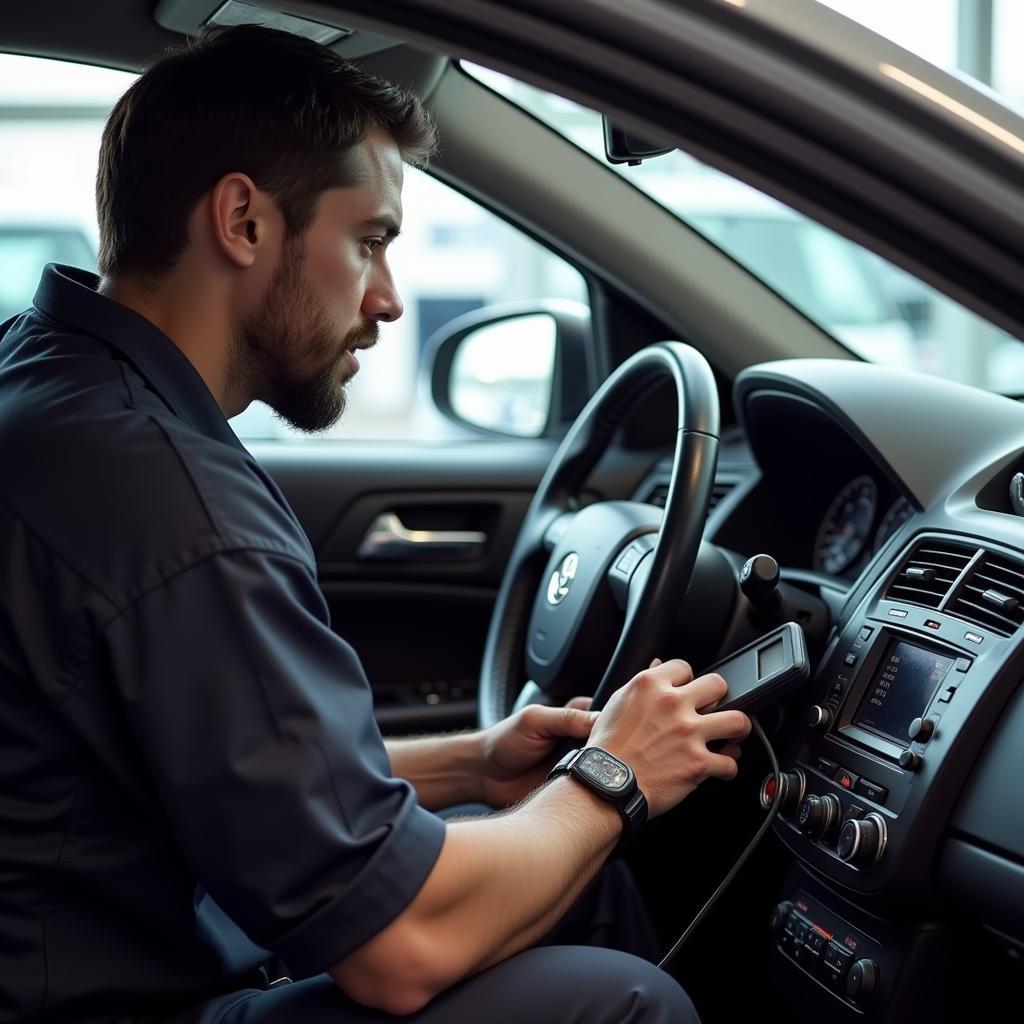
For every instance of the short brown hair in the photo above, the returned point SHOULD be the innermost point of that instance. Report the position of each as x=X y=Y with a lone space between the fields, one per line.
x=280 y=108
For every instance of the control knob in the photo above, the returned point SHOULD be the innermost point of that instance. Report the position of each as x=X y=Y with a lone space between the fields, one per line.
x=921 y=729
x=778 y=916
x=818 y=815
x=793 y=786
x=910 y=761
x=862 y=840
x=862 y=981
x=819 y=717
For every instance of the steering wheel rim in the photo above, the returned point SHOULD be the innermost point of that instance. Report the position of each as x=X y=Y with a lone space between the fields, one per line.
x=650 y=613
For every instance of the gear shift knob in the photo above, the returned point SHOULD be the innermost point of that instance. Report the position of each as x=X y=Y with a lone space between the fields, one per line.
x=759 y=581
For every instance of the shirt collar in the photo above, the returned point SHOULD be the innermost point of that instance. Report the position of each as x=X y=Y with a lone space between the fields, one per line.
x=70 y=295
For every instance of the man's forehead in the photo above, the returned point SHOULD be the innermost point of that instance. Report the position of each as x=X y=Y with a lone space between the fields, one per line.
x=376 y=192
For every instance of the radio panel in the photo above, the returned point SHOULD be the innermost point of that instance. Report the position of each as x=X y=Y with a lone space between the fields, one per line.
x=903 y=695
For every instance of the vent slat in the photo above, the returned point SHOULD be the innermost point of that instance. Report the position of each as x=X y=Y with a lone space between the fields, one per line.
x=658 y=494
x=943 y=563
x=978 y=597
x=1016 y=575
x=916 y=594
x=992 y=583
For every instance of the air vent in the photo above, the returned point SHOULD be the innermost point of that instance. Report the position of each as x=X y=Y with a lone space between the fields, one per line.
x=926 y=577
x=658 y=494
x=992 y=595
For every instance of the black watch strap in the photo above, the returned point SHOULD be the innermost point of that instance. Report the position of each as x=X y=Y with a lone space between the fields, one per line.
x=630 y=801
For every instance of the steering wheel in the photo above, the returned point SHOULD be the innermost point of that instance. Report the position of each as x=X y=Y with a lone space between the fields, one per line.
x=592 y=590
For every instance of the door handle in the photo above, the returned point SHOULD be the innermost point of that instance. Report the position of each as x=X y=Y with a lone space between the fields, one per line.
x=388 y=538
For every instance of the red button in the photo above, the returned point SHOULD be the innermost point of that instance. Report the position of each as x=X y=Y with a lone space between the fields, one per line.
x=846 y=779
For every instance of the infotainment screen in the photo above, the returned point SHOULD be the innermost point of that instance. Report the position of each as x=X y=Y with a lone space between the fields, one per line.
x=903 y=685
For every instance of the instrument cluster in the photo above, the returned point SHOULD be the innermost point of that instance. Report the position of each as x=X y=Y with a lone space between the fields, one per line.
x=855 y=525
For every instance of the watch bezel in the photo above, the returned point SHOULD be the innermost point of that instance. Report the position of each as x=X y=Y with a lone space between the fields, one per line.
x=580 y=767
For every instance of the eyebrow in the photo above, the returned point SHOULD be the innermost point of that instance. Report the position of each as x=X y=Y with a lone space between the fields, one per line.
x=390 y=226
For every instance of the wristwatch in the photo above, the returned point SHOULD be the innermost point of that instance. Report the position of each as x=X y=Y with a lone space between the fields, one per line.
x=609 y=778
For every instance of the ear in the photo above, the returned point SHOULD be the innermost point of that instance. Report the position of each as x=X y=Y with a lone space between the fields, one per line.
x=237 y=222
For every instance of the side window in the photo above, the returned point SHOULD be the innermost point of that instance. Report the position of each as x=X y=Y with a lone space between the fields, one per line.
x=452 y=257
x=51 y=119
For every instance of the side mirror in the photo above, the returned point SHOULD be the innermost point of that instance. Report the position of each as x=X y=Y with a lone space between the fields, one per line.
x=520 y=370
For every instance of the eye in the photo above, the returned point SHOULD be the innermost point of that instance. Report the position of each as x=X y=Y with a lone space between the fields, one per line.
x=373 y=244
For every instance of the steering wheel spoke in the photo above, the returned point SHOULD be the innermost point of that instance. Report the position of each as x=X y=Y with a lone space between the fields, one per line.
x=531 y=693
x=625 y=566
x=557 y=529
x=604 y=597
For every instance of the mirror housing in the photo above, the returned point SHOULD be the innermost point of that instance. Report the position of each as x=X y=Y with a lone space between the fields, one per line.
x=622 y=146
x=569 y=376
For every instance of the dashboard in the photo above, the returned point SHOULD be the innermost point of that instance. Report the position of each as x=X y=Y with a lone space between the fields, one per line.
x=899 y=803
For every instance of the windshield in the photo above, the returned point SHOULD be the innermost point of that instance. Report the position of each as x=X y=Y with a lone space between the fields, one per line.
x=874 y=308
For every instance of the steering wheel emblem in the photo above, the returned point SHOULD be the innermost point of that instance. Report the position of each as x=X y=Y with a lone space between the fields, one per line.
x=562 y=577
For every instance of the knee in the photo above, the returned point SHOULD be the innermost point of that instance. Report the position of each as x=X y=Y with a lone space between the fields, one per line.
x=634 y=991
x=655 y=997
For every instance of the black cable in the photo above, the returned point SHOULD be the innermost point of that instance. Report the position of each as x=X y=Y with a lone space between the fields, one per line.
x=751 y=846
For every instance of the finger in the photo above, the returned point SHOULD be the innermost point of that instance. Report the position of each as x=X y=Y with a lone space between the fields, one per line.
x=569 y=722
x=655 y=663
x=733 y=750
x=721 y=766
x=705 y=690
x=725 y=725
x=581 y=703
x=675 y=671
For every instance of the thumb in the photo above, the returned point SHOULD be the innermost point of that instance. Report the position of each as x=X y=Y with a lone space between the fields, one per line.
x=655 y=663
x=573 y=722
x=583 y=703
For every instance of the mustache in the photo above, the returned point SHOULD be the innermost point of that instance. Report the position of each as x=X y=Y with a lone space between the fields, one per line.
x=366 y=335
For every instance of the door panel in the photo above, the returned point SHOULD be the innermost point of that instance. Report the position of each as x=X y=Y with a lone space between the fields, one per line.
x=420 y=624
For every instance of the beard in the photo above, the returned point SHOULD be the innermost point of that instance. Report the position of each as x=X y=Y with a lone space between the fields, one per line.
x=289 y=353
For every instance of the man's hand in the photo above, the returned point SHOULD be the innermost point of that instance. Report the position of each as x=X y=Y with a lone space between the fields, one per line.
x=657 y=724
x=518 y=753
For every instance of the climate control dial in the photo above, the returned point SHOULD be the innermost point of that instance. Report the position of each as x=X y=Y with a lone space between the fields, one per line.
x=819 y=815
x=862 y=840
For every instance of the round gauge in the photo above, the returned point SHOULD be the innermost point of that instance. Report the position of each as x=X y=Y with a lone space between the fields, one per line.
x=899 y=512
x=846 y=526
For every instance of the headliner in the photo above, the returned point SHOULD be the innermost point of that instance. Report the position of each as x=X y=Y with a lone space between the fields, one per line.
x=73 y=30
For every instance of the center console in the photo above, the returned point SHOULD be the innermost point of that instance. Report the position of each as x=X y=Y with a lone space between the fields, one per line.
x=901 y=705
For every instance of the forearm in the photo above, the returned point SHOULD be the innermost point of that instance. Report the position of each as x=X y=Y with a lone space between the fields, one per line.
x=526 y=872
x=444 y=770
x=499 y=885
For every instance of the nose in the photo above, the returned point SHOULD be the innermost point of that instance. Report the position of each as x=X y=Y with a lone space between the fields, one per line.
x=381 y=301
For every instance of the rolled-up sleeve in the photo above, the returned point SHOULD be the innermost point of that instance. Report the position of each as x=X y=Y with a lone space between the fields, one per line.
x=256 y=722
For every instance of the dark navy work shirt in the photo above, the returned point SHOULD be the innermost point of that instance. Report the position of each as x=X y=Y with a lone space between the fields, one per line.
x=177 y=719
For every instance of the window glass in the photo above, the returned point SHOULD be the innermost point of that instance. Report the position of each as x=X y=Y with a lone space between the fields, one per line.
x=929 y=28
x=873 y=307
x=452 y=257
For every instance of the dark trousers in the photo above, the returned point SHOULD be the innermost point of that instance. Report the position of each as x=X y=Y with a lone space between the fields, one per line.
x=593 y=968
x=547 y=985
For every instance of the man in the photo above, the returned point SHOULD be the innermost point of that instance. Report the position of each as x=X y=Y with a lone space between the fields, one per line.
x=191 y=775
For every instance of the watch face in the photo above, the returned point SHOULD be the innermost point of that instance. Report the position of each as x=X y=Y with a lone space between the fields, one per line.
x=604 y=769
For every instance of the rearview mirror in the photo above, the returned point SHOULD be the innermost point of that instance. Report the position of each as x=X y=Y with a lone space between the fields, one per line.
x=623 y=146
